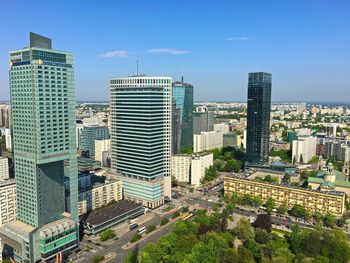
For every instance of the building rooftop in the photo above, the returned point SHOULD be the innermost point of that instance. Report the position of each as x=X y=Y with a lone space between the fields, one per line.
x=340 y=179
x=110 y=211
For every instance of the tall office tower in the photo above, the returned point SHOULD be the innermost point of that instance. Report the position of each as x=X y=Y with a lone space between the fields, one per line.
x=203 y=122
x=141 y=137
x=183 y=100
x=43 y=109
x=258 y=117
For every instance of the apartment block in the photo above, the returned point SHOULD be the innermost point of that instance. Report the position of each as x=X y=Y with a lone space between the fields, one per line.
x=206 y=141
x=325 y=202
x=4 y=168
x=7 y=201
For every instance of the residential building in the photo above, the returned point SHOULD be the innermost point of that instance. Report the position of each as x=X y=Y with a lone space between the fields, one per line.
x=183 y=126
x=8 y=139
x=222 y=127
x=181 y=167
x=42 y=80
x=203 y=122
x=231 y=139
x=88 y=135
x=206 y=141
x=7 y=201
x=331 y=202
x=191 y=168
x=101 y=194
x=141 y=141
x=4 y=168
x=258 y=117
x=100 y=147
x=200 y=162
x=5 y=116
x=303 y=149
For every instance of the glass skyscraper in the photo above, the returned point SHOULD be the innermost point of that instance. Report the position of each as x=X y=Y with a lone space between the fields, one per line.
x=258 y=117
x=141 y=109
x=43 y=112
x=183 y=116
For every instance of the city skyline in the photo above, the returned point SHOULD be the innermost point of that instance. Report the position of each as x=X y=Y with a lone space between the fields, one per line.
x=305 y=48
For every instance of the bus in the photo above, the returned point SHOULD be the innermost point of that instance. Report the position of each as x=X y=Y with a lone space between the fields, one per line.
x=141 y=230
x=187 y=217
x=133 y=226
x=184 y=215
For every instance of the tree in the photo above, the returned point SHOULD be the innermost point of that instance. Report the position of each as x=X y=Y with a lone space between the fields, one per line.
x=107 y=234
x=97 y=258
x=150 y=228
x=232 y=166
x=297 y=211
x=164 y=221
x=243 y=230
x=261 y=236
x=244 y=255
x=329 y=220
x=282 y=209
x=185 y=209
x=263 y=221
x=295 y=239
x=135 y=238
x=210 y=173
x=313 y=160
x=131 y=257
x=270 y=205
x=301 y=160
x=176 y=214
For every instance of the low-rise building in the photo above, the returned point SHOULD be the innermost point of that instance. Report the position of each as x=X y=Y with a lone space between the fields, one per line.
x=4 y=168
x=332 y=202
x=232 y=139
x=207 y=141
x=100 y=147
x=181 y=167
x=7 y=201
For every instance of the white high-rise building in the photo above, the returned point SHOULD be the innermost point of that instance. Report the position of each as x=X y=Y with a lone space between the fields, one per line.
x=8 y=139
x=304 y=149
x=100 y=147
x=207 y=141
x=4 y=168
x=141 y=127
x=200 y=162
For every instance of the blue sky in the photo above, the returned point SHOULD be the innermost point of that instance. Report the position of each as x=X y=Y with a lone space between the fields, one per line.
x=303 y=43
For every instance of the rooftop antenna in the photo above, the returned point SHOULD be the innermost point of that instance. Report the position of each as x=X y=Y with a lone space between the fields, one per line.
x=183 y=73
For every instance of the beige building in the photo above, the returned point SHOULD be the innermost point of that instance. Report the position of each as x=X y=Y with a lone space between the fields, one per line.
x=100 y=147
x=7 y=201
x=100 y=195
x=324 y=202
x=207 y=141
x=191 y=168
x=4 y=168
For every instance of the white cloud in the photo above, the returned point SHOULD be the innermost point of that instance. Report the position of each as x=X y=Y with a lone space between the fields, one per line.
x=170 y=51
x=116 y=54
x=238 y=38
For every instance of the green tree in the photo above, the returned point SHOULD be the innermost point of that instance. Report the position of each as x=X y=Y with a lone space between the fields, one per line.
x=295 y=239
x=270 y=205
x=301 y=160
x=150 y=228
x=243 y=230
x=329 y=220
x=297 y=211
x=97 y=258
x=176 y=214
x=282 y=209
x=164 y=221
x=107 y=234
x=261 y=236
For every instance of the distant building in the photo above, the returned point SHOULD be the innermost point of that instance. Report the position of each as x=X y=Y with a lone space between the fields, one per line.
x=8 y=139
x=277 y=146
x=231 y=139
x=7 y=201
x=87 y=165
x=203 y=122
x=4 y=168
x=207 y=141
x=141 y=137
x=258 y=117
x=223 y=127
x=183 y=98
x=324 y=202
x=5 y=116
x=88 y=135
x=100 y=147
x=200 y=162
x=304 y=149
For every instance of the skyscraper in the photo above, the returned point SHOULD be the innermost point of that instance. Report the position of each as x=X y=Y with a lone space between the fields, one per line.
x=43 y=111
x=203 y=122
x=183 y=124
x=141 y=137
x=258 y=117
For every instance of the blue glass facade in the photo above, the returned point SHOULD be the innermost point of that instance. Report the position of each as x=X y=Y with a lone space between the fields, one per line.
x=183 y=116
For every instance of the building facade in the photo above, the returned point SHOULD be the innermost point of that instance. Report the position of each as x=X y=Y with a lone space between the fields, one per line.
x=183 y=128
x=100 y=147
x=4 y=168
x=141 y=137
x=200 y=162
x=43 y=111
x=203 y=122
x=7 y=201
x=88 y=135
x=258 y=117
x=8 y=139
x=5 y=116
x=304 y=149
x=206 y=141
x=324 y=202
